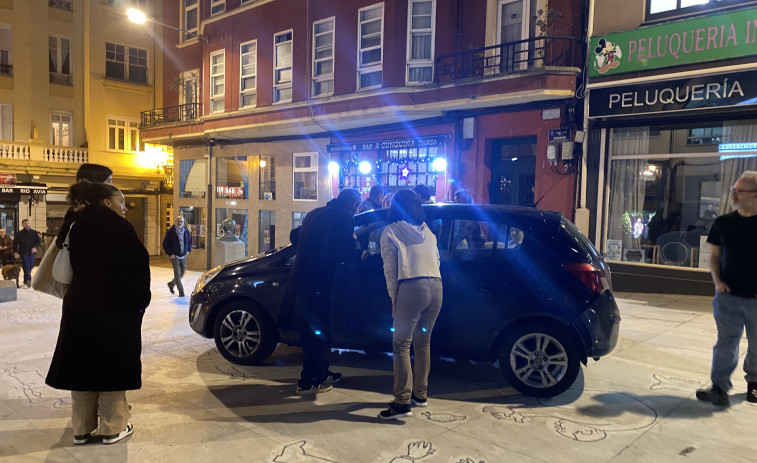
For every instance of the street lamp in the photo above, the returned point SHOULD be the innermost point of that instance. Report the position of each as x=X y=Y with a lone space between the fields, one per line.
x=139 y=17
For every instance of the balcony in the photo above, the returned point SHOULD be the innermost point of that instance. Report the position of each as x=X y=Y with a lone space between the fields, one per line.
x=511 y=57
x=48 y=154
x=6 y=70
x=171 y=115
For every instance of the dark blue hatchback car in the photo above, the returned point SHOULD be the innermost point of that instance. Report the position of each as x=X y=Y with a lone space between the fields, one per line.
x=521 y=285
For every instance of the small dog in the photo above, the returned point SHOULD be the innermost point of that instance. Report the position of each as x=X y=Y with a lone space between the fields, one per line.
x=12 y=272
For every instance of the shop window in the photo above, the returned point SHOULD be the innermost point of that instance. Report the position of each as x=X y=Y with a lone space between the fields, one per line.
x=323 y=57
x=282 y=71
x=297 y=218
x=6 y=122
x=305 y=176
x=123 y=135
x=232 y=178
x=241 y=223
x=705 y=136
x=217 y=81
x=407 y=167
x=370 y=46
x=662 y=205
x=267 y=178
x=660 y=9
x=192 y=178
x=267 y=231
x=194 y=221
x=60 y=129
x=248 y=80
x=189 y=18
x=59 y=59
x=420 y=42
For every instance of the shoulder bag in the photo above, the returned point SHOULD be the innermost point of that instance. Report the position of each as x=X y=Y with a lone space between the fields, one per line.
x=62 y=270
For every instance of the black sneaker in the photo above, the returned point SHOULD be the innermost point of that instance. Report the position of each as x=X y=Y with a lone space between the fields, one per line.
x=170 y=287
x=81 y=440
x=416 y=402
x=314 y=389
x=396 y=411
x=714 y=395
x=332 y=378
x=751 y=392
x=181 y=293
x=117 y=437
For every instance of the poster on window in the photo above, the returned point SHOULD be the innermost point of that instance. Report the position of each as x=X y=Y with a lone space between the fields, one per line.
x=614 y=250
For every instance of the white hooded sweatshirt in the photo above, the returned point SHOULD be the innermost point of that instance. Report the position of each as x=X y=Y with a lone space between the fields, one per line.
x=408 y=251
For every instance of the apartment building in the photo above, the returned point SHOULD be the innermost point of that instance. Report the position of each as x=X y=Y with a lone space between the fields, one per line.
x=74 y=76
x=671 y=110
x=272 y=106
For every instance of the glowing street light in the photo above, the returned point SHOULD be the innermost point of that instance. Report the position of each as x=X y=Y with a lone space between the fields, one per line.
x=139 y=17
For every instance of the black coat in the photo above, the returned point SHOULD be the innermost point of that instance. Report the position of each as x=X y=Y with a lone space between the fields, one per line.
x=100 y=341
x=171 y=245
x=325 y=240
x=25 y=240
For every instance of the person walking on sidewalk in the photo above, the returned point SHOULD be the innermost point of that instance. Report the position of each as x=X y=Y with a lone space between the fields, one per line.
x=732 y=265
x=411 y=268
x=325 y=239
x=177 y=244
x=25 y=245
x=97 y=355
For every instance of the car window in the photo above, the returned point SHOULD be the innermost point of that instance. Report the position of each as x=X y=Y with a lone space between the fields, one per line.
x=473 y=239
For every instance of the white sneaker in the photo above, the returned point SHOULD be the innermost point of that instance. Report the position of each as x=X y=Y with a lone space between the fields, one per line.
x=115 y=438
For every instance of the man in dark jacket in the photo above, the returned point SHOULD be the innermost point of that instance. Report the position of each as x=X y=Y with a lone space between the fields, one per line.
x=177 y=244
x=325 y=240
x=25 y=246
x=375 y=196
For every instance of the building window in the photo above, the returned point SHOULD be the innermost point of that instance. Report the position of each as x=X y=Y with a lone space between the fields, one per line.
x=370 y=46
x=6 y=50
x=297 y=218
x=657 y=9
x=240 y=218
x=267 y=231
x=192 y=178
x=123 y=135
x=282 y=72
x=267 y=180
x=217 y=6
x=232 y=178
x=125 y=63
x=248 y=80
x=217 y=82
x=6 y=122
x=323 y=57
x=67 y=5
x=305 y=176
x=189 y=19
x=194 y=222
x=60 y=60
x=60 y=129
x=127 y=3
x=420 y=41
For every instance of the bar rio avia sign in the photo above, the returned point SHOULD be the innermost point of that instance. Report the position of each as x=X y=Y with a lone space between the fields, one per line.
x=730 y=35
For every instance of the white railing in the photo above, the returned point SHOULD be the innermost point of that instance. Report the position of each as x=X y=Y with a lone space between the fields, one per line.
x=14 y=151
x=65 y=154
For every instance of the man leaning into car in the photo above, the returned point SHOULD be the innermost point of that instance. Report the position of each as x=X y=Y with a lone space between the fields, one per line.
x=325 y=239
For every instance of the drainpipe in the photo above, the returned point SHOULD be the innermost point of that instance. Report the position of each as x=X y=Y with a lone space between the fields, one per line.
x=209 y=216
x=582 y=214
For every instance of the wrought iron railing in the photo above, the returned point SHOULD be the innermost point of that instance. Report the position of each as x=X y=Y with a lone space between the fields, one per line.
x=171 y=114
x=511 y=57
x=67 y=5
x=6 y=70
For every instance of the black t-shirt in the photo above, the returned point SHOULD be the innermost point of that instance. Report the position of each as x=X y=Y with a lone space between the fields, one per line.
x=737 y=237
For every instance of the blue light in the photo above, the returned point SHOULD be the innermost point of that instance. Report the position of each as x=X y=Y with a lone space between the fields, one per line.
x=424 y=329
x=317 y=332
x=391 y=329
x=439 y=164
x=365 y=167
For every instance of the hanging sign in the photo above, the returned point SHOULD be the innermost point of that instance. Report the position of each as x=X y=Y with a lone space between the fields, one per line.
x=7 y=179
x=716 y=91
x=706 y=38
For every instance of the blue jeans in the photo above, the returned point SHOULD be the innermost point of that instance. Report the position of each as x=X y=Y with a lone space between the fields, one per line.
x=732 y=314
x=27 y=263
x=179 y=267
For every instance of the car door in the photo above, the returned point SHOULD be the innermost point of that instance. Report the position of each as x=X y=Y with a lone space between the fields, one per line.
x=482 y=276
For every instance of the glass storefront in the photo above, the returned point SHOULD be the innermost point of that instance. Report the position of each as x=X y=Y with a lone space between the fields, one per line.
x=267 y=231
x=192 y=178
x=232 y=178
x=667 y=184
x=194 y=221
x=267 y=180
x=240 y=218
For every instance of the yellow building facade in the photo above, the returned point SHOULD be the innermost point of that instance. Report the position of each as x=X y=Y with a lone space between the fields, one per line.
x=74 y=77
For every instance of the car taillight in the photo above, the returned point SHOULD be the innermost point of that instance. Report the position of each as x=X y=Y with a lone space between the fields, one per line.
x=591 y=276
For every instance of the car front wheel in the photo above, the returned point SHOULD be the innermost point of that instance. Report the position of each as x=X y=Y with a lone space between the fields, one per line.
x=244 y=334
x=539 y=360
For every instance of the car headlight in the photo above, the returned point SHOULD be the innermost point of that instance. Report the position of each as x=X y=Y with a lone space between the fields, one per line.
x=206 y=277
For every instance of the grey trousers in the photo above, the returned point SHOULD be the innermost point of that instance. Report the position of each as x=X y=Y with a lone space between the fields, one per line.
x=416 y=309
x=112 y=407
x=733 y=314
x=179 y=267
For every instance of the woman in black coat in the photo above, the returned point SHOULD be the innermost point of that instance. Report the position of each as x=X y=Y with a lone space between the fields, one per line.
x=97 y=356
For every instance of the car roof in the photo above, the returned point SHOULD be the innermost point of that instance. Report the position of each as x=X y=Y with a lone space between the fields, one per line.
x=468 y=211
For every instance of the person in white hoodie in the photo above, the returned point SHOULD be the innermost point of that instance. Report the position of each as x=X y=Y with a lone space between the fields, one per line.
x=411 y=268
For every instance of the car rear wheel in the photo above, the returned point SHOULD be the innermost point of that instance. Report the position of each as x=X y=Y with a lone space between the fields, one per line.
x=244 y=334
x=539 y=360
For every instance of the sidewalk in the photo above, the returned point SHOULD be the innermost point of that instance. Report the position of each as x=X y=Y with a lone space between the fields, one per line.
x=636 y=404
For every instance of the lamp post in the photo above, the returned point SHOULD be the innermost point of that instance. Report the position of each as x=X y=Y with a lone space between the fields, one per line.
x=139 y=17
